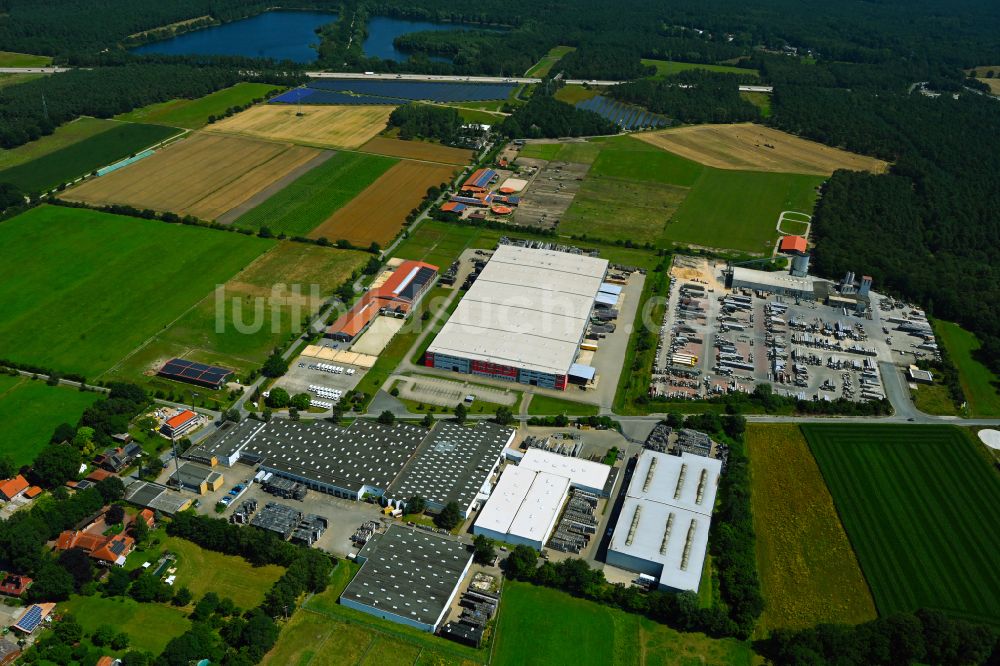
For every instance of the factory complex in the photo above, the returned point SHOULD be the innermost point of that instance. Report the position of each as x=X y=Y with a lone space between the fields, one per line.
x=524 y=318
x=529 y=497
x=663 y=526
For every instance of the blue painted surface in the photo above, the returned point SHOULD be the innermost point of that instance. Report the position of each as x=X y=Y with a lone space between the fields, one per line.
x=281 y=35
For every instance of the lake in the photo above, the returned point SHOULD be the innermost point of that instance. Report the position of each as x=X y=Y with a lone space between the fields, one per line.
x=383 y=30
x=279 y=35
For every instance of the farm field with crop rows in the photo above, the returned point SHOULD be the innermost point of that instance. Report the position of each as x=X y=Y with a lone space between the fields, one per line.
x=204 y=175
x=313 y=197
x=921 y=507
x=808 y=570
x=324 y=126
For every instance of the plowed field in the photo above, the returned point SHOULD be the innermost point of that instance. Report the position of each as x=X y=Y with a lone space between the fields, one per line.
x=418 y=150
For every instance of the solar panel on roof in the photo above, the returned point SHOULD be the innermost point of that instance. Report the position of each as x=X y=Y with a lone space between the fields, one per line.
x=32 y=618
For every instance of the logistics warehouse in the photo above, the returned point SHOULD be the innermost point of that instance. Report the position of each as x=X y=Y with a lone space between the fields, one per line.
x=523 y=319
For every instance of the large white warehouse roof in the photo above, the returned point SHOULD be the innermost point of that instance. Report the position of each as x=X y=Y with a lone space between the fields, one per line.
x=524 y=506
x=687 y=481
x=583 y=474
x=527 y=309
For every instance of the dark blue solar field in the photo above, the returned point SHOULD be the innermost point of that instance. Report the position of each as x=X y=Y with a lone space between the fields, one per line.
x=624 y=115
x=418 y=90
x=313 y=96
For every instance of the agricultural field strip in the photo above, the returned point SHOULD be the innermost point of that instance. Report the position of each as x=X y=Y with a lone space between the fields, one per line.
x=334 y=126
x=922 y=536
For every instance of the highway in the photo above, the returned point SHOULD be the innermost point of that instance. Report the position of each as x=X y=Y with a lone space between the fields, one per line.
x=33 y=70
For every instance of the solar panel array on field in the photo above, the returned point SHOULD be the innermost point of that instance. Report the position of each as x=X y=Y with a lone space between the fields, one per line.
x=418 y=90
x=314 y=96
x=626 y=116
x=195 y=373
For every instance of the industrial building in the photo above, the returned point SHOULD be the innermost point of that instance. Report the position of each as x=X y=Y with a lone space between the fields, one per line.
x=454 y=464
x=408 y=576
x=196 y=478
x=156 y=497
x=395 y=297
x=525 y=505
x=524 y=317
x=179 y=423
x=662 y=529
x=776 y=282
x=290 y=524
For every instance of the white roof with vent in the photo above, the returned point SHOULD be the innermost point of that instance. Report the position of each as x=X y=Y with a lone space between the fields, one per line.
x=583 y=474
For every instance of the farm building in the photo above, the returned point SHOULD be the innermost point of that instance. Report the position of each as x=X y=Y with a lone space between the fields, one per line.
x=396 y=297
x=408 y=576
x=453 y=464
x=32 y=617
x=199 y=374
x=479 y=181
x=794 y=244
x=662 y=530
x=523 y=319
x=11 y=488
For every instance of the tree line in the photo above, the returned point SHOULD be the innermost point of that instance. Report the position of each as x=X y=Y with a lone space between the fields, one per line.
x=423 y=121
x=693 y=96
x=546 y=117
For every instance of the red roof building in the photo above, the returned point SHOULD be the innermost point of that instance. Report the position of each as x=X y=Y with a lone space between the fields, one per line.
x=32 y=492
x=148 y=517
x=14 y=585
x=397 y=295
x=108 y=550
x=179 y=423
x=795 y=244
x=11 y=488
x=98 y=475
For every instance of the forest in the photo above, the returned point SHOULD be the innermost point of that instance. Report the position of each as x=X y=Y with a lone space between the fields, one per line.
x=545 y=116
x=424 y=121
x=694 y=96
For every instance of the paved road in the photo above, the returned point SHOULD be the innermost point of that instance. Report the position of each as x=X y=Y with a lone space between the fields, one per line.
x=33 y=70
x=449 y=78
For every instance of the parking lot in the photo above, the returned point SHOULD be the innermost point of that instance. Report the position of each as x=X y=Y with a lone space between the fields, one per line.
x=306 y=376
x=714 y=340
x=445 y=393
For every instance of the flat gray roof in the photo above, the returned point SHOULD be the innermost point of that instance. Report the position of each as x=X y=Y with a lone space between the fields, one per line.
x=410 y=573
x=527 y=309
x=453 y=463
x=364 y=453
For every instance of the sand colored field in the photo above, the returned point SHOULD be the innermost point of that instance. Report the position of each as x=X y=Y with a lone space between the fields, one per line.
x=205 y=175
x=378 y=213
x=750 y=147
x=328 y=126
x=994 y=85
x=418 y=150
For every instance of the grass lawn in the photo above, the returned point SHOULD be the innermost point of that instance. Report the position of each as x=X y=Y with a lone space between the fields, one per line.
x=541 y=151
x=979 y=384
x=665 y=68
x=808 y=571
x=83 y=157
x=149 y=626
x=11 y=59
x=574 y=93
x=618 y=209
x=759 y=99
x=922 y=509
x=194 y=113
x=546 y=405
x=934 y=399
x=313 y=197
x=316 y=272
x=203 y=571
x=65 y=135
x=739 y=209
x=630 y=159
x=14 y=79
x=541 y=68
x=480 y=116
x=81 y=289
x=324 y=633
x=31 y=410
x=584 y=633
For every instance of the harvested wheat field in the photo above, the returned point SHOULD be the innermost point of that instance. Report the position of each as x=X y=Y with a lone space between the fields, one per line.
x=418 y=150
x=327 y=126
x=378 y=213
x=205 y=175
x=750 y=147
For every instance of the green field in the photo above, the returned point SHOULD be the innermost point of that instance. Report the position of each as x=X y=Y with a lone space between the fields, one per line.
x=630 y=159
x=759 y=99
x=574 y=93
x=668 y=67
x=31 y=410
x=615 y=208
x=194 y=113
x=203 y=571
x=11 y=59
x=808 y=571
x=921 y=507
x=81 y=289
x=14 y=79
x=324 y=633
x=197 y=334
x=581 y=152
x=583 y=633
x=545 y=405
x=149 y=626
x=739 y=209
x=316 y=195
x=542 y=68
x=980 y=386
x=65 y=135
x=83 y=157
x=541 y=151
x=934 y=399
